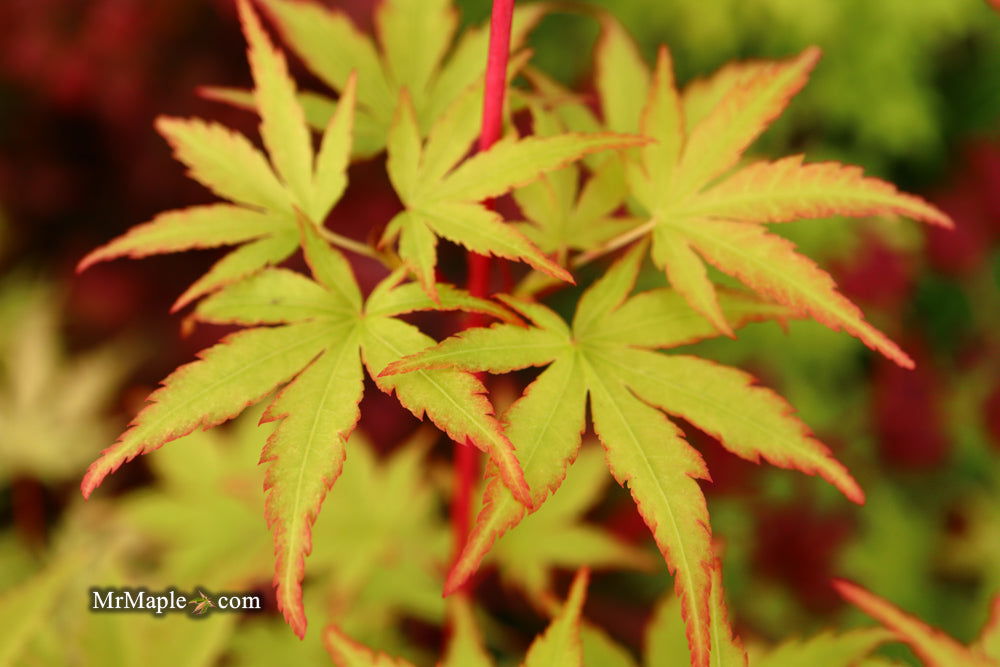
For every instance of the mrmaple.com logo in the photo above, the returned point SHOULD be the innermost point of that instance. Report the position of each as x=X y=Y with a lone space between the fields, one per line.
x=196 y=604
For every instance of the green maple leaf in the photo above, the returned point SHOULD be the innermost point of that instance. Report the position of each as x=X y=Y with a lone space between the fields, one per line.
x=560 y=643
x=267 y=196
x=555 y=536
x=465 y=645
x=204 y=512
x=387 y=554
x=52 y=405
x=934 y=647
x=666 y=645
x=47 y=616
x=316 y=338
x=414 y=52
x=445 y=200
x=666 y=640
x=563 y=215
x=606 y=354
x=24 y=608
x=835 y=649
x=698 y=210
x=207 y=527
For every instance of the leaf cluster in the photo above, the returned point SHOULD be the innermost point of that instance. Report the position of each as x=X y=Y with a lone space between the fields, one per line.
x=658 y=169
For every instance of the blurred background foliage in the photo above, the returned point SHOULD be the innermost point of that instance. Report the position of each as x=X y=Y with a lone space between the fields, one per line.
x=909 y=90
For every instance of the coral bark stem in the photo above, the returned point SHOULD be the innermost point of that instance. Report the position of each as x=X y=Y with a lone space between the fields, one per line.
x=466 y=460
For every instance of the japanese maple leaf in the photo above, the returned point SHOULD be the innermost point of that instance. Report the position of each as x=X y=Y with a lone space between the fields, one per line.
x=413 y=38
x=561 y=213
x=699 y=210
x=444 y=200
x=313 y=336
x=556 y=536
x=89 y=545
x=560 y=643
x=665 y=634
x=606 y=354
x=934 y=647
x=266 y=195
x=53 y=405
x=204 y=513
x=665 y=643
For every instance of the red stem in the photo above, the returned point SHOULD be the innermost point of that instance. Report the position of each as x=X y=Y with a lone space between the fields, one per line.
x=466 y=459
x=496 y=72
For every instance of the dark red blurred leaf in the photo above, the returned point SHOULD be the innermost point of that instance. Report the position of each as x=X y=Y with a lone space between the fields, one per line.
x=797 y=546
x=974 y=204
x=877 y=276
x=991 y=411
x=907 y=414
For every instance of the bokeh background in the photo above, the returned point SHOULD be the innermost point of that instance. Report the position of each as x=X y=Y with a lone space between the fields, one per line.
x=910 y=90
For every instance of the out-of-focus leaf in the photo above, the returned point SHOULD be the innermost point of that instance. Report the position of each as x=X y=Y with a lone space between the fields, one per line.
x=600 y=649
x=51 y=404
x=465 y=645
x=556 y=537
x=933 y=646
x=827 y=649
x=560 y=643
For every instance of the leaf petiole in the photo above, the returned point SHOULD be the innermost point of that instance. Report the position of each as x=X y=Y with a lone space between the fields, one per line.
x=390 y=260
x=614 y=244
x=354 y=246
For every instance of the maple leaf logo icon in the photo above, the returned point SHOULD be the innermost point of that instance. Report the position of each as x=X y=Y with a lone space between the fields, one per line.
x=202 y=603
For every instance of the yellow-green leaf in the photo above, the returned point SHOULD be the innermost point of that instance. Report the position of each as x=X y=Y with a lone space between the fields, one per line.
x=688 y=275
x=560 y=643
x=186 y=229
x=770 y=265
x=348 y=653
x=226 y=379
x=414 y=35
x=826 y=649
x=454 y=400
x=716 y=143
x=622 y=79
x=225 y=162
x=787 y=190
x=750 y=421
x=332 y=47
x=934 y=647
x=330 y=179
x=465 y=644
x=305 y=453
x=240 y=263
x=649 y=454
x=283 y=124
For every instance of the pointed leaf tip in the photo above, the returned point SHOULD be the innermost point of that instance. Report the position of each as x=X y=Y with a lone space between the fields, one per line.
x=560 y=643
x=283 y=125
x=789 y=189
x=306 y=454
x=224 y=380
x=935 y=647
